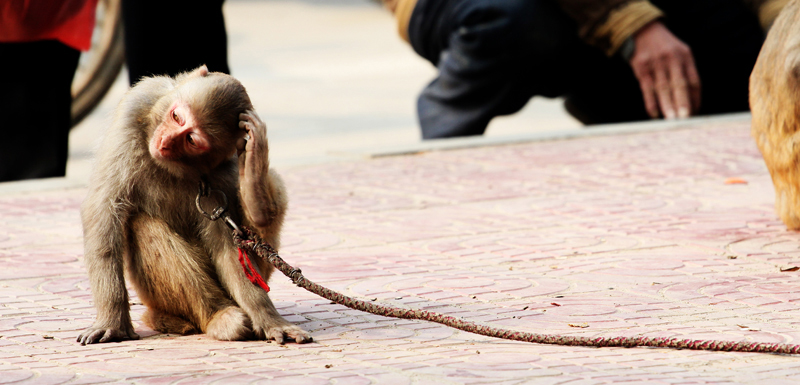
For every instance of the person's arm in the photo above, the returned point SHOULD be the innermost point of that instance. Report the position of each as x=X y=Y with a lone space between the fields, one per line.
x=662 y=63
x=665 y=68
x=607 y=24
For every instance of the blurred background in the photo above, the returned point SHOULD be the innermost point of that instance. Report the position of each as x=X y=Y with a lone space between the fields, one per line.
x=330 y=78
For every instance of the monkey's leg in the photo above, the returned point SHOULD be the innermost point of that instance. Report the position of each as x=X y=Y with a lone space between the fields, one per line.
x=267 y=322
x=177 y=282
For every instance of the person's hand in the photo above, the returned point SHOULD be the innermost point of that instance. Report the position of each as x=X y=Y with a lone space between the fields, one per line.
x=667 y=75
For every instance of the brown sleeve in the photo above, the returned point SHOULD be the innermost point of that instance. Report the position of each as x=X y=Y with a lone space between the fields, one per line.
x=402 y=10
x=767 y=10
x=606 y=24
x=603 y=23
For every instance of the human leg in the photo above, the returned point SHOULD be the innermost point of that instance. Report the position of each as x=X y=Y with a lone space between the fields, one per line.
x=154 y=46
x=493 y=56
x=35 y=103
x=480 y=55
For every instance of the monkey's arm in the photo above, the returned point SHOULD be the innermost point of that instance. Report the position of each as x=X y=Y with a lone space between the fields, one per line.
x=262 y=192
x=104 y=220
x=107 y=208
x=263 y=200
x=105 y=213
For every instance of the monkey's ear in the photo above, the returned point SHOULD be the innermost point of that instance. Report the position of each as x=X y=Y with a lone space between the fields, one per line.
x=199 y=72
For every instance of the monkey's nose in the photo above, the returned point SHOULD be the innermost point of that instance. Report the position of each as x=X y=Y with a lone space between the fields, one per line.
x=165 y=151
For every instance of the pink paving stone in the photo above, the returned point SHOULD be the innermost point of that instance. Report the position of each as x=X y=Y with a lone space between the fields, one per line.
x=53 y=376
x=87 y=379
x=15 y=375
x=174 y=379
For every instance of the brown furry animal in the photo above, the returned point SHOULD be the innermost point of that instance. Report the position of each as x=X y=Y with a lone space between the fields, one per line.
x=775 y=103
x=140 y=213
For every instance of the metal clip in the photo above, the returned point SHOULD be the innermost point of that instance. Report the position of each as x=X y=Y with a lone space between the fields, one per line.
x=203 y=192
x=232 y=225
x=219 y=212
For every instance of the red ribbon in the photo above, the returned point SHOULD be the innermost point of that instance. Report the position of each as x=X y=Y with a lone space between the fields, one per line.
x=250 y=272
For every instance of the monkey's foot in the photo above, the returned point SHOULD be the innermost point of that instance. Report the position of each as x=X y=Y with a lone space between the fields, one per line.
x=94 y=335
x=285 y=332
x=229 y=324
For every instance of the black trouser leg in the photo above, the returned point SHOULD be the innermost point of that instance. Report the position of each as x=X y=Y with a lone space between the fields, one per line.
x=493 y=56
x=35 y=103
x=167 y=37
x=479 y=49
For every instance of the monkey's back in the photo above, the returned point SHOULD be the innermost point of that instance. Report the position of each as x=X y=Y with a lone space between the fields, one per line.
x=775 y=105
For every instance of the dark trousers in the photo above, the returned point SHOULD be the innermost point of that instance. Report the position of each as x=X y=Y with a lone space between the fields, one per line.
x=494 y=55
x=167 y=37
x=35 y=102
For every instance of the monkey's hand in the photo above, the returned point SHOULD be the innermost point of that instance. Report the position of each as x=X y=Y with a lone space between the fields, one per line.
x=99 y=334
x=254 y=184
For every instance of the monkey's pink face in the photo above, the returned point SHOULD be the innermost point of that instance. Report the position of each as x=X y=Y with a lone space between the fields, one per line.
x=179 y=135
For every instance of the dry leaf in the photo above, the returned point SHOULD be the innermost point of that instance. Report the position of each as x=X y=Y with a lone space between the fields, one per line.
x=793 y=268
x=735 y=181
x=581 y=325
x=554 y=304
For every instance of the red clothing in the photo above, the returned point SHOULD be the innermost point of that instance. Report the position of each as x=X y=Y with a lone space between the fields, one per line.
x=68 y=21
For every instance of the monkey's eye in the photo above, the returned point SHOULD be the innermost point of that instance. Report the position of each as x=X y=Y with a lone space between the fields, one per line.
x=190 y=139
x=175 y=116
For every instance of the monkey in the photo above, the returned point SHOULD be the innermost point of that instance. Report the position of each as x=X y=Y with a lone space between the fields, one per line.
x=140 y=221
x=775 y=106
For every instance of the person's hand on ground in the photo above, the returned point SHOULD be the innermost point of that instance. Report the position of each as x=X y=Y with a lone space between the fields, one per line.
x=667 y=75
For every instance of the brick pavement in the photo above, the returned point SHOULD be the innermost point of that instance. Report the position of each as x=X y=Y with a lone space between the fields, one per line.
x=603 y=236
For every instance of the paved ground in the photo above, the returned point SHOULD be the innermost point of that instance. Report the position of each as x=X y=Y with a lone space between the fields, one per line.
x=631 y=233
x=622 y=235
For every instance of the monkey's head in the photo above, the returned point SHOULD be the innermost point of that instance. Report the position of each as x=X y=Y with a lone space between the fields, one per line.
x=197 y=125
